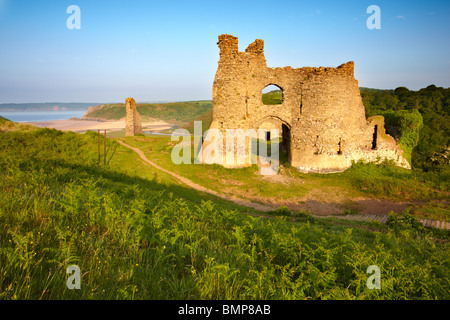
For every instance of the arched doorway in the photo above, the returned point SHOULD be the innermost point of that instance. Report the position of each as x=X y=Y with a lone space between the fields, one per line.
x=273 y=129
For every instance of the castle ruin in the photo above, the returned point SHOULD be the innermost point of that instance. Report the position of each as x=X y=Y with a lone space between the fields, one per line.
x=133 y=124
x=321 y=118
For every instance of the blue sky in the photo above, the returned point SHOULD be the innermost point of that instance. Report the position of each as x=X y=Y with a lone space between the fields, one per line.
x=166 y=50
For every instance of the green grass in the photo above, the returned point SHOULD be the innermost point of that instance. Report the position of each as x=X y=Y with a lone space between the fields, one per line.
x=392 y=182
x=137 y=234
x=362 y=180
x=206 y=120
x=3 y=119
x=8 y=125
x=273 y=97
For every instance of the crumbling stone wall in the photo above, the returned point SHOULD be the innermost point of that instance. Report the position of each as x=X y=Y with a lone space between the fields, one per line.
x=133 y=124
x=321 y=116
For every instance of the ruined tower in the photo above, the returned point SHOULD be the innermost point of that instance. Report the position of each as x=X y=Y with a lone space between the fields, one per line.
x=321 y=118
x=133 y=124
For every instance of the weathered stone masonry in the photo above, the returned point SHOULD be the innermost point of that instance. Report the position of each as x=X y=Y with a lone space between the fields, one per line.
x=133 y=124
x=321 y=119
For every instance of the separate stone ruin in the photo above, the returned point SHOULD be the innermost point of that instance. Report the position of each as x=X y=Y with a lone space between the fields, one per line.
x=133 y=124
x=321 y=118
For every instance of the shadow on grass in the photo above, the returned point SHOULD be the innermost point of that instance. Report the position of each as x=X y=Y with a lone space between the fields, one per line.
x=110 y=179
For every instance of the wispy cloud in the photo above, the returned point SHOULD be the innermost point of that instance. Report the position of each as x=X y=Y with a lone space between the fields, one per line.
x=316 y=13
x=399 y=17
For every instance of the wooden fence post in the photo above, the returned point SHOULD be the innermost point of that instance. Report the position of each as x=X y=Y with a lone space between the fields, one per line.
x=105 y=149
x=98 y=146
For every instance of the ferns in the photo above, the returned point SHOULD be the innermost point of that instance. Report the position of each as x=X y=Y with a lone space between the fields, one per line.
x=132 y=239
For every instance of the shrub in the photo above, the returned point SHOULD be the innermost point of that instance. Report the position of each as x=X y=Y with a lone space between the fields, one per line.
x=404 y=221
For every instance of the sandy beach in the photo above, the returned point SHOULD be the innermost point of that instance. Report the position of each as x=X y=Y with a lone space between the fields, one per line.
x=78 y=125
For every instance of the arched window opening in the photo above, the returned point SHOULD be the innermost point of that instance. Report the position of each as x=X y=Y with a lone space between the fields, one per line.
x=272 y=95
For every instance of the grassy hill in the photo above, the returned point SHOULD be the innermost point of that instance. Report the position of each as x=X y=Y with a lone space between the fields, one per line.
x=273 y=97
x=46 y=106
x=205 y=119
x=178 y=111
x=8 y=125
x=136 y=233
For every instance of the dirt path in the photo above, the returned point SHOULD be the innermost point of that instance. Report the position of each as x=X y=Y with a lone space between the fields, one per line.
x=368 y=213
x=191 y=184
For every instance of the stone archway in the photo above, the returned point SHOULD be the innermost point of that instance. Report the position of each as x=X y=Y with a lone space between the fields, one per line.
x=267 y=124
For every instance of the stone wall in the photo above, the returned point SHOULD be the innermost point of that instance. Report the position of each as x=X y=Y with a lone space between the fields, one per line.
x=133 y=124
x=322 y=111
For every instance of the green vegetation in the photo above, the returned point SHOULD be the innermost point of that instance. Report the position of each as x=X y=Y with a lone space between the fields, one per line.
x=387 y=180
x=405 y=125
x=8 y=125
x=383 y=181
x=273 y=97
x=433 y=104
x=206 y=120
x=136 y=234
x=179 y=111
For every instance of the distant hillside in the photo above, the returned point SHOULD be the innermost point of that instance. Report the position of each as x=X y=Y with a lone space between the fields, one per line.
x=178 y=111
x=206 y=120
x=47 y=106
x=375 y=90
x=273 y=97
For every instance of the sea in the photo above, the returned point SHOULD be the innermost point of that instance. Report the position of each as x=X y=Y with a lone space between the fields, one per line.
x=32 y=116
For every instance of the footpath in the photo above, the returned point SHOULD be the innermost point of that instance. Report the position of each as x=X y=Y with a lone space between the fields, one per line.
x=265 y=208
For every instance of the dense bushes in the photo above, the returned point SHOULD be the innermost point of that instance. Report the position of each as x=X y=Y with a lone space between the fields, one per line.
x=405 y=126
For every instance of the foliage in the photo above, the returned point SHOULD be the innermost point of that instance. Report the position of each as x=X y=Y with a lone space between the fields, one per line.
x=205 y=119
x=281 y=211
x=3 y=119
x=405 y=126
x=404 y=221
x=132 y=239
x=384 y=180
x=433 y=103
